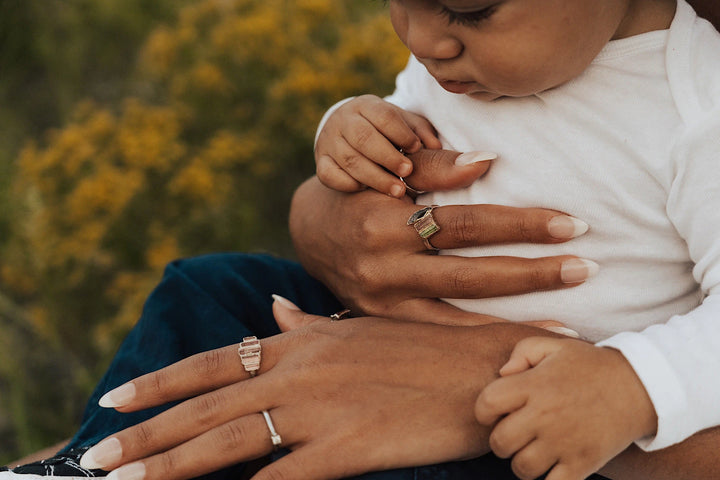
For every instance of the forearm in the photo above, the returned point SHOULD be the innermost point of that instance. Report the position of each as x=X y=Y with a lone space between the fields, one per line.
x=311 y=202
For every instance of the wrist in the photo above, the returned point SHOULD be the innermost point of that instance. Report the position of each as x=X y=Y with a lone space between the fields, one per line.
x=641 y=411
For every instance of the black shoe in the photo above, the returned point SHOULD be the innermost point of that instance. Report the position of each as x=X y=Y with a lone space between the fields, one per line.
x=64 y=466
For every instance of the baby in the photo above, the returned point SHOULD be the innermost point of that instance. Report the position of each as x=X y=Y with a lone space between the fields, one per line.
x=610 y=112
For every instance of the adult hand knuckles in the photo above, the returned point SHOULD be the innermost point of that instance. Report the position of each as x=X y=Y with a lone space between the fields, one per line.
x=204 y=409
x=538 y=276
x=466 y=282
x=525 y=228
x=143 y=437
x=466 y=226
x=207 y=364
x=277 y=471
x=159 y=382
x=168 y=463
x=371 y=233
x=231 y=436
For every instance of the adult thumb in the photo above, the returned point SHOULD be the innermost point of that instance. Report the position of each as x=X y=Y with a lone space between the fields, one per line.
x=289 y=316
x=435 y=170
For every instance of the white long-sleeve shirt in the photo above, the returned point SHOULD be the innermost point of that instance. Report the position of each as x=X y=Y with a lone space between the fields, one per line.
x=632 y=147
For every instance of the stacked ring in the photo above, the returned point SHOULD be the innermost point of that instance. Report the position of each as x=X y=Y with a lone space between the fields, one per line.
x=274 y=436
x=249 y=351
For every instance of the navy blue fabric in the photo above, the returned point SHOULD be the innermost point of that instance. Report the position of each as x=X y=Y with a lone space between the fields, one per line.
x=212 y=301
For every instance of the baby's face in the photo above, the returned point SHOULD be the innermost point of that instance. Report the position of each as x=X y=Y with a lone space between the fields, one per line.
x=493 y=48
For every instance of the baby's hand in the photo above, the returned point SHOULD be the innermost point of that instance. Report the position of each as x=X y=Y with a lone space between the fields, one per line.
x=363 y=136
x=564 y=406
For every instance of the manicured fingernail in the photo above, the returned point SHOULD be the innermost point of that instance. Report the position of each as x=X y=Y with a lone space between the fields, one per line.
x=285 y=302
x=397 y=191
x=578 y=270
x=474 y=157
x=107 y=452
x=405 y=169
x=565 y=226
x=131 y=471
x=568 y=332
x=118 y=397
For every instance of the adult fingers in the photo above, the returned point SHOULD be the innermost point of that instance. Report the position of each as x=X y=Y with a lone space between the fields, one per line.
x=242 y=439
x=311 y=462
x=433 y=310
x=219 y=409
x=289 y=316
x=192 y=376
x=435 y=170
x=472 y=225
x=477 y=277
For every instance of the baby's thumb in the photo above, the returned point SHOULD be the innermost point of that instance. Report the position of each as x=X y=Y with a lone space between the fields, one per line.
x=528 y=353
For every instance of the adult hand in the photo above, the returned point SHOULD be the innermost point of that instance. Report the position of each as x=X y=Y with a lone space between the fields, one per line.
x=360 y=246
x=346 y=398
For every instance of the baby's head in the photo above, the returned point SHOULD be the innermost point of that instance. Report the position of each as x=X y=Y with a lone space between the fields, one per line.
x=493 y=48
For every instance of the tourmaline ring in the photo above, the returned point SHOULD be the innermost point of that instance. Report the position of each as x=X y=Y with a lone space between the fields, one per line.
x=424 y=223
x=249 y=351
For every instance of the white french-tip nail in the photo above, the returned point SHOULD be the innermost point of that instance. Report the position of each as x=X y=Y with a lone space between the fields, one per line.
x=576 y=270
x=565 y=227
x=285 y=302
x=568 y=332
x=474 y=157
x=131 y=471
x=105 y=453
x=118 y=397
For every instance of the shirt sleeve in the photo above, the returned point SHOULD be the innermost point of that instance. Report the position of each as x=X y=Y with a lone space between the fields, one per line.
x=678 y=362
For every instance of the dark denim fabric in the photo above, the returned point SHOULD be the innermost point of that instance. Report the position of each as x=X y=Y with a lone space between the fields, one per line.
x=208 y=302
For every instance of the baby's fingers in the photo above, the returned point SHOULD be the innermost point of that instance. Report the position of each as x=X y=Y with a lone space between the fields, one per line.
x=424 y=130
x=366 y=166
x=497 y=399
x=332 y=176
x=528 y=353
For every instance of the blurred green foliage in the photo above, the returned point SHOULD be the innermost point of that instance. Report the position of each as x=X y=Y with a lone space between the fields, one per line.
x=136 y=132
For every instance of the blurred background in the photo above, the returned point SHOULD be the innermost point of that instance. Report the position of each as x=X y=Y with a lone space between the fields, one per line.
x=134 y=132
